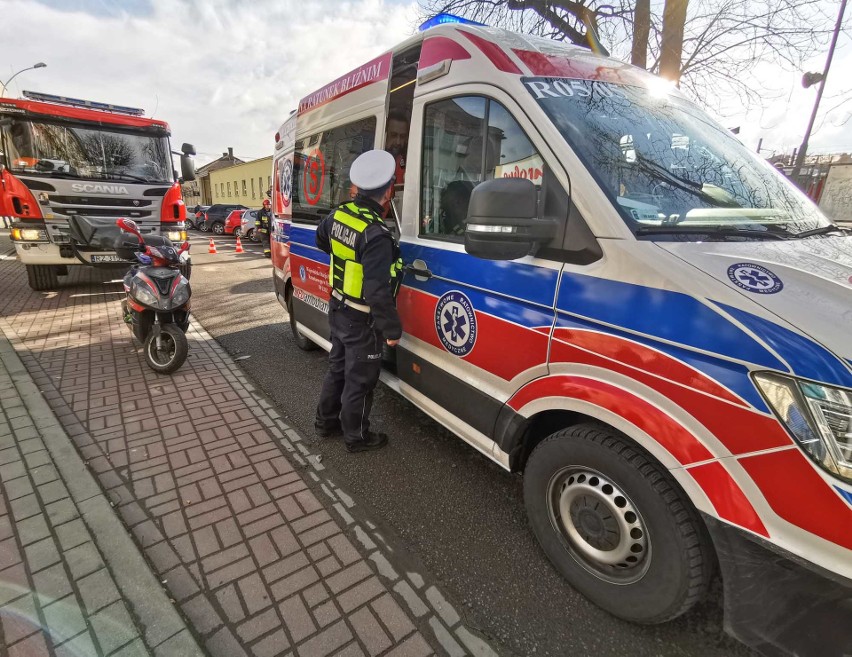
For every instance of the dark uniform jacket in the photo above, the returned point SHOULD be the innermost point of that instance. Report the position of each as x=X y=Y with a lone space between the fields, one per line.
x=376 y=250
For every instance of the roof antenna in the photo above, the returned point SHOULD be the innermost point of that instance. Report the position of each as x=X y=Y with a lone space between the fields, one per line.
x=157 y=98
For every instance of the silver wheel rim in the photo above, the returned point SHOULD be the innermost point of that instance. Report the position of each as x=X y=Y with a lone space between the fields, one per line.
x=218 y=229
x=168 y=352
x=599 y=525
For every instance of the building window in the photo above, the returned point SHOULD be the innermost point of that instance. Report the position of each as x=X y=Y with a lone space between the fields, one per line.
x=236 y=189
x=260 y=186
x=229 y=190
x=244 y=188
x=253 y=194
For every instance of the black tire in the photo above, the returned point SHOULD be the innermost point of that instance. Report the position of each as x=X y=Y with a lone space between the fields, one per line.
x=251 y=234
x=176 y=349
x=302 y=342
x=42 y=277
x=616 y=525
x=238 y=232
x=218 y=228
x=203 y=227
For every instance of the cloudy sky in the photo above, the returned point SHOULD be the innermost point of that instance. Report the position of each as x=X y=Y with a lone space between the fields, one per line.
x=228 y=72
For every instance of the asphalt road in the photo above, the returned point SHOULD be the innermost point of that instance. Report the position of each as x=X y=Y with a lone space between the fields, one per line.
x=444 y=505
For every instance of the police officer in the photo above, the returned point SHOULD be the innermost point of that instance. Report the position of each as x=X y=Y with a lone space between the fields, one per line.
x=364 y=273
x=263 y=224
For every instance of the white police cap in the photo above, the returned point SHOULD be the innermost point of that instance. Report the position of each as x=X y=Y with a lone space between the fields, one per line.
x=372 y=170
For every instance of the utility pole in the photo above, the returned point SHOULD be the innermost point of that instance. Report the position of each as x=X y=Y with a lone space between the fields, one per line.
x=809 y=79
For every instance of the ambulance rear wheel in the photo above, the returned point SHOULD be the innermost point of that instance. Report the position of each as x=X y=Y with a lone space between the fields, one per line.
x=302 y=342
x=42 y=277
x=616 y=525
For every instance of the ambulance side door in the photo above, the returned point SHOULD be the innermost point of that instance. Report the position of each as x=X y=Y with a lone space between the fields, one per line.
x=474 y=330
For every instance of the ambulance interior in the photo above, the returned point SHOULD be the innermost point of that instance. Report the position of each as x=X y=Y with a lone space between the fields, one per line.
x=398 y=124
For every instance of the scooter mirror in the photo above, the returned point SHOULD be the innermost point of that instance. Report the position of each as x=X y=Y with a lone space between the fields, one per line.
x=127 y=224
x=184 y=247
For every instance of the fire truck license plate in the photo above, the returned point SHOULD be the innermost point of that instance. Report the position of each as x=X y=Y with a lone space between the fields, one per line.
x=106 y=258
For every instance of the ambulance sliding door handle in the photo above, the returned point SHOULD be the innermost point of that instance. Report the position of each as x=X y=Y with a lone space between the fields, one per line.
x=420 y=270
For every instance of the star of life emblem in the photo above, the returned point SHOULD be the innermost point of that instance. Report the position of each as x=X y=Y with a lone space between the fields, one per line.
x=754 y=278
x=455 y=322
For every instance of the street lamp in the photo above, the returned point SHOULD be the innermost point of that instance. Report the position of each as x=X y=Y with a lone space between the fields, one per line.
x=809 y=79
x=6 y=84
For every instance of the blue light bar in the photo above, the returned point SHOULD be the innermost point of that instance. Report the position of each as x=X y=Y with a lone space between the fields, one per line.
x=88 y=104
x=444 y=19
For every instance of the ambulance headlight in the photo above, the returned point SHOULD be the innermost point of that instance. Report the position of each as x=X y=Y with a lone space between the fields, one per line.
x=818 y=416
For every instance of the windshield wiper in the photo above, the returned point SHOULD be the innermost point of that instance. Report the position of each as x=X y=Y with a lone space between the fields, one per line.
x=822 y=230
x=125 y=176
x=684 y=184
x=724 y=231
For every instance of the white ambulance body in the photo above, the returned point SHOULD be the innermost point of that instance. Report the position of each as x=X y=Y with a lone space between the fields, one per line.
x=608 y=292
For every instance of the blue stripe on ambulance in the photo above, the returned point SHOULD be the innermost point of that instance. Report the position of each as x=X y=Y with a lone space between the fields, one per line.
x=845 y=494
x=808 y=358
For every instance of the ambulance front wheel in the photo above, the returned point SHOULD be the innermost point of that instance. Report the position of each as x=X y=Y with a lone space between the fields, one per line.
x=616 y=525
x=302 y=342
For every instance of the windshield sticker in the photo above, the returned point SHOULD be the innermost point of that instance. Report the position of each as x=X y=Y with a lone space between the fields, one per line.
x=754 y=278
x=456 y=323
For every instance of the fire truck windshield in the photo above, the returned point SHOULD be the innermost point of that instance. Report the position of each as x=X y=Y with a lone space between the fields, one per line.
x=85 y=151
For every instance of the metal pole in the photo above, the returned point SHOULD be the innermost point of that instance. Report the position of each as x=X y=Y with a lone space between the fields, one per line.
x=803 y=149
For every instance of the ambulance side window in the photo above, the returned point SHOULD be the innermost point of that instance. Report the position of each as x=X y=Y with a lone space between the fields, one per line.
x=321 y=168
x=468 y=139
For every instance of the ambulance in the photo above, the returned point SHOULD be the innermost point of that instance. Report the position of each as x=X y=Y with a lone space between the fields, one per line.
x=609 y=293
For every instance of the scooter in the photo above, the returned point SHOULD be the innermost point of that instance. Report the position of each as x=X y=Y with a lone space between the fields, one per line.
x=156 y=306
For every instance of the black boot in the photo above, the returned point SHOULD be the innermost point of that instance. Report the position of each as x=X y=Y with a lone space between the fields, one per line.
x=328 y=430
x=373 y=441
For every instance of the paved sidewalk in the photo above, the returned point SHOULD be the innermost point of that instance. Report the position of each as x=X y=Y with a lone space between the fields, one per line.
x=252 y=540
x=71 y=581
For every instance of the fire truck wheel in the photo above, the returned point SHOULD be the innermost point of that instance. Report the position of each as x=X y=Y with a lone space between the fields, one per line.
x=302 y=342
x=42 y=277
x=616 y=525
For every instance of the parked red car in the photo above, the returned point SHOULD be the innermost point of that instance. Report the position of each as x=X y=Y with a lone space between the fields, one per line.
x=234 y=223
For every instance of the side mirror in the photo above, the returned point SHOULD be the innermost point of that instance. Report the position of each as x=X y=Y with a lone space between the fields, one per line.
x=187 y=167
x=188 y=149
x=502 y=220
x=127 y=225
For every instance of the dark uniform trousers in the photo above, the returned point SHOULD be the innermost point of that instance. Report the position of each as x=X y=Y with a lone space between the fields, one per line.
x=354 y=365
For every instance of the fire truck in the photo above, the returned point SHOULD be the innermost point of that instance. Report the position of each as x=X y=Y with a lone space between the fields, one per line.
x=69 y=168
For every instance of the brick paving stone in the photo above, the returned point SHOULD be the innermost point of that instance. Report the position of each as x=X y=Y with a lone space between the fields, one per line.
x=326 y=642
x=370 y=632
x=297 y=618
x=359 y=594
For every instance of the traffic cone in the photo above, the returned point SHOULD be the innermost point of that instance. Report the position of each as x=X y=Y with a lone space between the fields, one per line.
x=212 y=248
x=239 y=248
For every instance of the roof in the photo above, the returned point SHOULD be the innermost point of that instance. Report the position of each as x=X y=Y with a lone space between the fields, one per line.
x=32 y=107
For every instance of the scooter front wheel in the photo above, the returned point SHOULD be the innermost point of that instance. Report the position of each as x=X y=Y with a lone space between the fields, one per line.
x=167 y=355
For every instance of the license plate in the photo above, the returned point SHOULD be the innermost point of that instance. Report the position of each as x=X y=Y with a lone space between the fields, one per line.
x=106 y=258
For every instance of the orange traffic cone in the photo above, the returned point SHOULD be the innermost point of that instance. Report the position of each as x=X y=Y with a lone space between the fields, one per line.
x=239 y=248
x=212 y=248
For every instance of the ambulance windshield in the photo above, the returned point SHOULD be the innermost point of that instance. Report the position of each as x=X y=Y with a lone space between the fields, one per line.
x=668 y=167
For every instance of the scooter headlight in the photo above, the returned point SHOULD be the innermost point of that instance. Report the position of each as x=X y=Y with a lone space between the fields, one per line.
x=818 y=416
x=143 y=294
x=181 y=295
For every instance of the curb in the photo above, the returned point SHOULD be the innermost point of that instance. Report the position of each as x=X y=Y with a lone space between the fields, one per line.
x=158 y=619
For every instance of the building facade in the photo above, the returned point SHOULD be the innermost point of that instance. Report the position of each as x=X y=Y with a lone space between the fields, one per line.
x=199 y=191
x=247 y=184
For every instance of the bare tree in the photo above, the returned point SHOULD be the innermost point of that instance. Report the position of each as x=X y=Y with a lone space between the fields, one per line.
x=721 y=41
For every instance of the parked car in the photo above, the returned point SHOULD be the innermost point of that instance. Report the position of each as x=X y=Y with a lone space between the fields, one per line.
x=249 y=228
x=195 y=217
x=214 y=218
x=234 y=223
